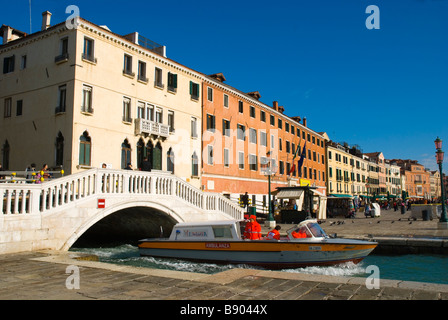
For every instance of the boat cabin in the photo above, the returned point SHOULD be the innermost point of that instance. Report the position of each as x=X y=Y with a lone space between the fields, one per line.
x=308 y=229
x=225 y=230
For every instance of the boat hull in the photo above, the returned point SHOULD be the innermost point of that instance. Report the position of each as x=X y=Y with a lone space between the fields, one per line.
x=267 y=254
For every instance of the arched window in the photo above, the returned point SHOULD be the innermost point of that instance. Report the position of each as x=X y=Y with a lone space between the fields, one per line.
x=60 y=149
x=170 y=161
x=157 y=157
x=85 y=146
x=140 y=152
x=5 y=155
x=194 y=165
x=125 y=153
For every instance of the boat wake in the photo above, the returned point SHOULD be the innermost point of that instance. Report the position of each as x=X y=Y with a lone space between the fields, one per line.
x=127 y=254
x=348 y=269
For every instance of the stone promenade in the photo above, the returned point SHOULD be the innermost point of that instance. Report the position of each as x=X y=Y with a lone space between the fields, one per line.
x=56 y=275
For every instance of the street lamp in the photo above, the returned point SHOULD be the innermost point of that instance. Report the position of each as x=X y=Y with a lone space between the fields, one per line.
x=443 y=222
x=269 y=170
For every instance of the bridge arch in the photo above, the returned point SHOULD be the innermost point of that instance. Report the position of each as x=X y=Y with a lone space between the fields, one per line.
x=142 y=209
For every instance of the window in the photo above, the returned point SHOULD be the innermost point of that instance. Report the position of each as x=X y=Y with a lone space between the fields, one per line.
x=85 y=144
x=8 y=106
x=194 y=90
x=272 y=141
x=210 y=155
x=5 y=155
x=19 y=107
x=241 y=132
x=62 y=99
x=194 y=127
x=253 y=163
x=8 y=64
x=241 y=160
x=171 y=121
x=63 y=50
x=286 y=126
x=288 y=147
x=87 y=99
x=211 y=126
x=252 y=111
x=125 y=154
x=281 y=167
x=172 y=82
x=280 y=123
x=272 y=120
x=142 y=71
x=226 y=158
x=158 y=83
x=88 y=51
x=262 y=116
x=226 y=127
x=252 y=135
x=263 y=139
x=127 y=110
x=23 y=61
x=194 y=165
x=60 y=149
x=226 y=101
x=158 y=115
x=127 y=68
x=240 y=106
x=170 y=161
x=292 y=129
x=210 y=94
x=280 y=144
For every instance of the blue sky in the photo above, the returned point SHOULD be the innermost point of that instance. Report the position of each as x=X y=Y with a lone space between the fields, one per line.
x=385 y=90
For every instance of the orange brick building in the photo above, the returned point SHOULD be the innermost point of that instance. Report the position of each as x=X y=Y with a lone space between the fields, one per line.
x=240 y=133
x=418 y=183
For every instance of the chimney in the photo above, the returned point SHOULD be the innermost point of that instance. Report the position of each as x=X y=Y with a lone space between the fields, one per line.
x=7 y=33
x=46 y=17
x=304 y=121
x=275 y=105
x=255 y=95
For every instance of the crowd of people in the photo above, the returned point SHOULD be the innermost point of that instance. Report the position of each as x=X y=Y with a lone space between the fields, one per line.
x=31 y=174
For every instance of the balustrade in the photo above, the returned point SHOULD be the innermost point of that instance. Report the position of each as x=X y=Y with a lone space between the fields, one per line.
x=19 y=199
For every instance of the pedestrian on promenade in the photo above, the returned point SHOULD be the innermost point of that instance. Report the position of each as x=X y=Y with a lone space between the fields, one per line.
x=129 y=167
x=146 y=165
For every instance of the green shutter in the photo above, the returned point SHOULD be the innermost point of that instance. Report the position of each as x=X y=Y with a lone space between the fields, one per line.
x=191 y=87
x=175 y=81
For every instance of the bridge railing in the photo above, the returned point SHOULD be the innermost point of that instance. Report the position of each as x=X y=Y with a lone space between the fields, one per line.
x=22 y=199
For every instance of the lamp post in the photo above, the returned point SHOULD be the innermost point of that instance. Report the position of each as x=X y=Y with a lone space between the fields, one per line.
x=443 y=222
x=269 y=170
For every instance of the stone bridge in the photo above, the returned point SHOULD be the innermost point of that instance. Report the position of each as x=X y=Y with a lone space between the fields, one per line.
x=113 y=203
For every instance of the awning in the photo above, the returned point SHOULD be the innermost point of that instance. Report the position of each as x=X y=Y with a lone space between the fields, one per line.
x=340 y=196
x=289 y=194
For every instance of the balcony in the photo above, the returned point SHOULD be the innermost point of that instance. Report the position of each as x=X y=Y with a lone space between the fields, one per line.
x=151 y=127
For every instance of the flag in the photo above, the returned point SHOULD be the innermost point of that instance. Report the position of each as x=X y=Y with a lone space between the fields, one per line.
x=293 y=163
x=302 y=157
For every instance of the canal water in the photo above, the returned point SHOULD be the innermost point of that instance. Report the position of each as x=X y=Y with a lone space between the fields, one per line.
x=412 y=267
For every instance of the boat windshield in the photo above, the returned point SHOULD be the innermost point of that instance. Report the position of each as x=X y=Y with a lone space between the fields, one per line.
x=317 y=231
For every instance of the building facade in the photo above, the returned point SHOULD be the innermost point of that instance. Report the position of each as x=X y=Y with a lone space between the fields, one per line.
x=418 y=185
x=242 y=137
x=83 y=97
